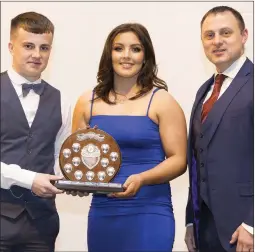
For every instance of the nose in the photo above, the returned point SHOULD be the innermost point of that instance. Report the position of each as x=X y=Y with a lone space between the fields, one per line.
x=126 y=53
x=217 y=40
x=36 y=53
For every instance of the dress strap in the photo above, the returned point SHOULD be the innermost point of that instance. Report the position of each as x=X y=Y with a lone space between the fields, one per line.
x=92 y=101
x=155 y=90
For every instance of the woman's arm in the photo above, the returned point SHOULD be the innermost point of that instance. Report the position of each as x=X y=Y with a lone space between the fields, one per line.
x=173 y=133
x=81 y=112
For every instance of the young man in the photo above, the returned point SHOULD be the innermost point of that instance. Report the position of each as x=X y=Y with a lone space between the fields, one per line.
x=34 y=122
x=221 y=146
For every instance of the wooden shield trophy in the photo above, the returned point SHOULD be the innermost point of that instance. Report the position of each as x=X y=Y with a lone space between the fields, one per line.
x=89 y=159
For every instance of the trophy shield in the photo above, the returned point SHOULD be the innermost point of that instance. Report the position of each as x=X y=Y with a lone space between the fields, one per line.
x=89 y=159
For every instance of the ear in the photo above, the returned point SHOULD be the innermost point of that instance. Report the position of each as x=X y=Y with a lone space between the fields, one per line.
x=244 y=35
x=10 y=46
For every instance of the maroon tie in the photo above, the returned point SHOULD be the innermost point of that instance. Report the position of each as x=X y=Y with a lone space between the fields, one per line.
x=214 y=96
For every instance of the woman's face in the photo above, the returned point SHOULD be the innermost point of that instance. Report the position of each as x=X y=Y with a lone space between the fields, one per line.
x=127 y=55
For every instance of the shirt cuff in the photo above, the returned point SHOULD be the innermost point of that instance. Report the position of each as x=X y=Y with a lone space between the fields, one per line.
x=13 y=175
x=248 y=228
x=26 y=179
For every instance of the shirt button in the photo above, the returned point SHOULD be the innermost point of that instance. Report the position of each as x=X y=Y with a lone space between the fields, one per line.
x=30 y=135
x=202 y=165
x=29 y=151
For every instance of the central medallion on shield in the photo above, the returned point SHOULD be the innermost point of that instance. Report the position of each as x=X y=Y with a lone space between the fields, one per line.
x=90 y=155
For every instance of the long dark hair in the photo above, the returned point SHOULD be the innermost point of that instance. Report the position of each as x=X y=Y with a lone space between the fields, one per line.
x=147 y=77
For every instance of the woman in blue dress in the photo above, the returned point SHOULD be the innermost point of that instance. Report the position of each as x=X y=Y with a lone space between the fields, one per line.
x=132 y=104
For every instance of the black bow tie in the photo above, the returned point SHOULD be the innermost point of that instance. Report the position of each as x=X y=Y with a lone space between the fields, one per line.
x=38 y=88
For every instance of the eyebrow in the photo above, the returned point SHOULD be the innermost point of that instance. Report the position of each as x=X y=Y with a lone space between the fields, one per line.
x=27 y=42
x=131 y=45
x=223 y=28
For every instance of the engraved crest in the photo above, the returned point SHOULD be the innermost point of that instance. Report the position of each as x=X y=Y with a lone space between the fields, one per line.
x=90 y=155
x=90 y=135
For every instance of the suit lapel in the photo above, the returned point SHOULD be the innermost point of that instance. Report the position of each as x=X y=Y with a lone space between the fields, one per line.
x=203 y=90
x=219 y=108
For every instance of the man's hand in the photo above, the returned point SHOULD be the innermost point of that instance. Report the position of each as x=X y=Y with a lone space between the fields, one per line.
x=189 y=239
x=43 y=187
x=131 y=186
x=244 y=240
x=75 y=193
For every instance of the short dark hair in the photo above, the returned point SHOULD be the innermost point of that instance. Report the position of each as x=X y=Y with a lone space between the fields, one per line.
x=32 y=22
x=220 y=9
x=147 y=78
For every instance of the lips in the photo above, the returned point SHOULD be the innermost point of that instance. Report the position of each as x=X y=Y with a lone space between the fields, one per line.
x=219 y=50
x=126 y=65
x=36 y=63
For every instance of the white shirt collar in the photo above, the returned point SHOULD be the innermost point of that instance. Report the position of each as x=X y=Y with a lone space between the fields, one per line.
x=18 y=80
x=232 y=71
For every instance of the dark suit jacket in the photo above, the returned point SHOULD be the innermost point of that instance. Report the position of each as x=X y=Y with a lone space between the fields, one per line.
x=227 y=138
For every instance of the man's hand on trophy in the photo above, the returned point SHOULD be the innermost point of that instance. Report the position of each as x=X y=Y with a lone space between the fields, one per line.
x=131 y=187
x=75 y=193
x=43 y=185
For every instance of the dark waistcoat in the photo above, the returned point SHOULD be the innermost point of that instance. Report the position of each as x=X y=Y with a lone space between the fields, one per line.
x=31 y=148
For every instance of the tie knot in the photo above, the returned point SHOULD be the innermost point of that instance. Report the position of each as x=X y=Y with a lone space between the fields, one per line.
x=219 y=79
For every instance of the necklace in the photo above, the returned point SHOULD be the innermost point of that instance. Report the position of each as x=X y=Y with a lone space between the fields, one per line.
x=124 y=99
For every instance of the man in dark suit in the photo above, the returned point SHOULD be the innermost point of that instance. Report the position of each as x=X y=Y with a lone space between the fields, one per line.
x=219 y=214
x=34 y=122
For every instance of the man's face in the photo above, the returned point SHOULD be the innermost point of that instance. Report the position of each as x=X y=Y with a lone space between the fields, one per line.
x=30 y=52
x=222 y=39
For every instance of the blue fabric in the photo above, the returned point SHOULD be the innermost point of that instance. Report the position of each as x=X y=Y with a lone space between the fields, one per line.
x=144 y=222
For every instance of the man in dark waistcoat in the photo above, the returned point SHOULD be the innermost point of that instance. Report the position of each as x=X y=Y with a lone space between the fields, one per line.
x=35 y=120
x=219 y=214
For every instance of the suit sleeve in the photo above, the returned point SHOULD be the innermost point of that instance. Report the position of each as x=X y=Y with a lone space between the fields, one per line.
x=189 y=210
x=249 y=220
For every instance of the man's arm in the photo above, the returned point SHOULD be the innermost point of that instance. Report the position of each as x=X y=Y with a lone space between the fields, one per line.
x=39 y=183
x=189 y=235
x=13 y=175
x=189 y=211
x=64 y=132
x=249 y=220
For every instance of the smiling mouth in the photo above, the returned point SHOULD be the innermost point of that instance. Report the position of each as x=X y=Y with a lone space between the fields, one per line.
x=126 y=65
x=219 y=50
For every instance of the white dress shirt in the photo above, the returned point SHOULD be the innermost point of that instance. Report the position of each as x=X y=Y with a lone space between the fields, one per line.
x=231 y=73
x=12 y=174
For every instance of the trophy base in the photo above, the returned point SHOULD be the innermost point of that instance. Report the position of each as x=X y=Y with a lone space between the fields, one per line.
x=89 y=187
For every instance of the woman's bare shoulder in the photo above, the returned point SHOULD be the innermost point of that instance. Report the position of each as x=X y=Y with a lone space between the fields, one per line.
x=84 y=98
x=166 y=101
x=86 y=95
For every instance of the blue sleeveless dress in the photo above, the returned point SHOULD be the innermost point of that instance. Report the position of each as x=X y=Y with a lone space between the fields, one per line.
x=144 y=222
